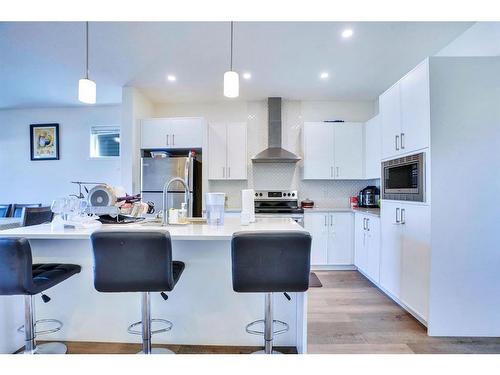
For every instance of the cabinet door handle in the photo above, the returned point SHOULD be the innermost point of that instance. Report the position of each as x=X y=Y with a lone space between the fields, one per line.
x=338 y=171
x=403 y=216
x=402 y=141
x=167 y=140
x=223 y=172
x=368 y=225
x=331 y=171
x=397 y=216
x=173 y=139
x=228 y=172
x=364 y=223
x=331 y=220
x=397 y=142
x=325 y=221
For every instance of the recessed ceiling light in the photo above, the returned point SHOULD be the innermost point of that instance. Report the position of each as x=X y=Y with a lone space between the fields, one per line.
x=324 y=75
x=247 y=75
x=171 y=78
x=347 y=33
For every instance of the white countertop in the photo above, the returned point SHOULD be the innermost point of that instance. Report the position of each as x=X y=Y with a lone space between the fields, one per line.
x=190 y=232
x=364 y=210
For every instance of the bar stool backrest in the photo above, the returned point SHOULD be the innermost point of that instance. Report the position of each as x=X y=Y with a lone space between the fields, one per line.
x=15 y=266
x=271 y=261
x=132 y=261
x=36 y=216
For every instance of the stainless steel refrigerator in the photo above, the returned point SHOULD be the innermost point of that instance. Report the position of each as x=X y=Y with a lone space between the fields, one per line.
x=155 y=172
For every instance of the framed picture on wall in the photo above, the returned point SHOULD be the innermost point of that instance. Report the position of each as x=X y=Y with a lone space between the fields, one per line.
x=44 y=141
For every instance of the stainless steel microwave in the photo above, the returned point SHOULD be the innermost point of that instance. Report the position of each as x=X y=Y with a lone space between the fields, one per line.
x=403 y=179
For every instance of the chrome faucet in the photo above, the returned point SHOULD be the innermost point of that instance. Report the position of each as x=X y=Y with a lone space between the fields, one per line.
x=164 y=220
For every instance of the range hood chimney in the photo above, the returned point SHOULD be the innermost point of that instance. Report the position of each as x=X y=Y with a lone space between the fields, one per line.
x=274 y=153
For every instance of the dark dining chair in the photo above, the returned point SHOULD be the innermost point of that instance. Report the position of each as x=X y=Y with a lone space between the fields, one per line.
x=17 y=209
x=36 y=215
x=5 y=210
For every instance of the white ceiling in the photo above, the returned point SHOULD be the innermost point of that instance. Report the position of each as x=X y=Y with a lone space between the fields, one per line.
x=40 y=63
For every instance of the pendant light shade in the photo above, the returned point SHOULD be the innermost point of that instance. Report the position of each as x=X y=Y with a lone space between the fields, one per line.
x=231 y=84
x=86 y=87
x=231 y=78
x=87 y=91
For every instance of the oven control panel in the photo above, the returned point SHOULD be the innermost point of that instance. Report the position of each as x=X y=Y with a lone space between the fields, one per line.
x=276 y=195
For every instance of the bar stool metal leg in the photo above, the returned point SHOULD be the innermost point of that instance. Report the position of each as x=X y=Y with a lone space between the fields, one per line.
x=146 y=328
x=30 y=346
x=268 y=324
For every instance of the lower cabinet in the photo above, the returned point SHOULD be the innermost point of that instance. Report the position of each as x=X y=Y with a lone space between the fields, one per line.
x=332 y=237
x=405 y=254
x=367 y=245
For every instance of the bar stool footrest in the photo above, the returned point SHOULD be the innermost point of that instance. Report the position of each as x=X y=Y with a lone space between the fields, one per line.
x=57 y=328
x=250 y=327
x=168 y=326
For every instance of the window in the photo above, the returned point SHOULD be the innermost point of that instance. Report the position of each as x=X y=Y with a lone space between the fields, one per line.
x=104 y=141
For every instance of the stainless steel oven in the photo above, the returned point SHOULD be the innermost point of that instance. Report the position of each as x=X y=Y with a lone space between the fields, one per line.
x=279 y=204
x=404 y=178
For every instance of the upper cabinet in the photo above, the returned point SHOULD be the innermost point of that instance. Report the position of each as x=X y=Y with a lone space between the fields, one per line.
x=372 y=148
x=405 y=114
x=333 y=151
x=172 y=133
x=227 y=151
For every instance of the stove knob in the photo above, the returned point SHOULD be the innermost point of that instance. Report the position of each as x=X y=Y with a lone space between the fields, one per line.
x=288 y=194
x=256 y=194
x=293 y=194
x=260 y=194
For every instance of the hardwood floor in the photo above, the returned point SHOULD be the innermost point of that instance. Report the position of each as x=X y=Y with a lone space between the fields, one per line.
x=350 y=315
x=347 y=315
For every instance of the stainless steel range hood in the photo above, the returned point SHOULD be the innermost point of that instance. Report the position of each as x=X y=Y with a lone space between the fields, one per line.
x=274 y=153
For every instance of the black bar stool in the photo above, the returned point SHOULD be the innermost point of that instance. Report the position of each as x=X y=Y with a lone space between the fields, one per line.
x=136 y=262
x=18 y=276
x=269 y=262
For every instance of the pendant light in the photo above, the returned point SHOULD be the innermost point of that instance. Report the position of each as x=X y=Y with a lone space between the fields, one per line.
x=87 y=87
x=231 y=78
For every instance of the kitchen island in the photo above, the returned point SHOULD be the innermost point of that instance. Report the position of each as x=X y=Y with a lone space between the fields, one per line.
x=203 y=306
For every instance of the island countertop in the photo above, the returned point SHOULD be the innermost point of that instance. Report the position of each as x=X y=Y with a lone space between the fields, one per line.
x=192 y=232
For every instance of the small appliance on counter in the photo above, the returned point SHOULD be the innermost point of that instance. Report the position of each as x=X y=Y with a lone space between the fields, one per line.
x=369 y=197
x=307 y=203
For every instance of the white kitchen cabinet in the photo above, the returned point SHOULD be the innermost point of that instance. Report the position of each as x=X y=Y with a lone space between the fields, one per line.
x=367 y=245
x=319 y=158
x=172 y=133
x=332 y=237
x=227 y=151
x=348 y=149
x=390 y=255
x=373 y=146
x=405 y=114
x=360 y=248
x=317 y=225
x=333 y=151
x=415 y=244
x=390 y=116
x=405 y=254
x=415 y=109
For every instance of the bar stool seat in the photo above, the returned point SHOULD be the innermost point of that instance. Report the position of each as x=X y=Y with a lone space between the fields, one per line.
x=270 y=262
x=18 y=276
x=47 y=275
x=137 y=262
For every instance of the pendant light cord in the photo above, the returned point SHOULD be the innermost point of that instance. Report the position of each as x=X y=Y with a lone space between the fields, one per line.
x=231 y=68
x=87 y=49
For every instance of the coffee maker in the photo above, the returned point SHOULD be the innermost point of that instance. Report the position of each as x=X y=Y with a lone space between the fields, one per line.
x=369 y=197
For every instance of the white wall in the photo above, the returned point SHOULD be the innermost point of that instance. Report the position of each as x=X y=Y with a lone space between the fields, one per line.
x=481 y=39
x=26 y=181
x=135 y=106
x=465 y=218
x=276 y=176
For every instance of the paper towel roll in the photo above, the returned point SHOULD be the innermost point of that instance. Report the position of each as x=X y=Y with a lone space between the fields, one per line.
x=247 y=203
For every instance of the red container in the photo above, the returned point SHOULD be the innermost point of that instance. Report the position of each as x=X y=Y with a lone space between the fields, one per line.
x=353 y=201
